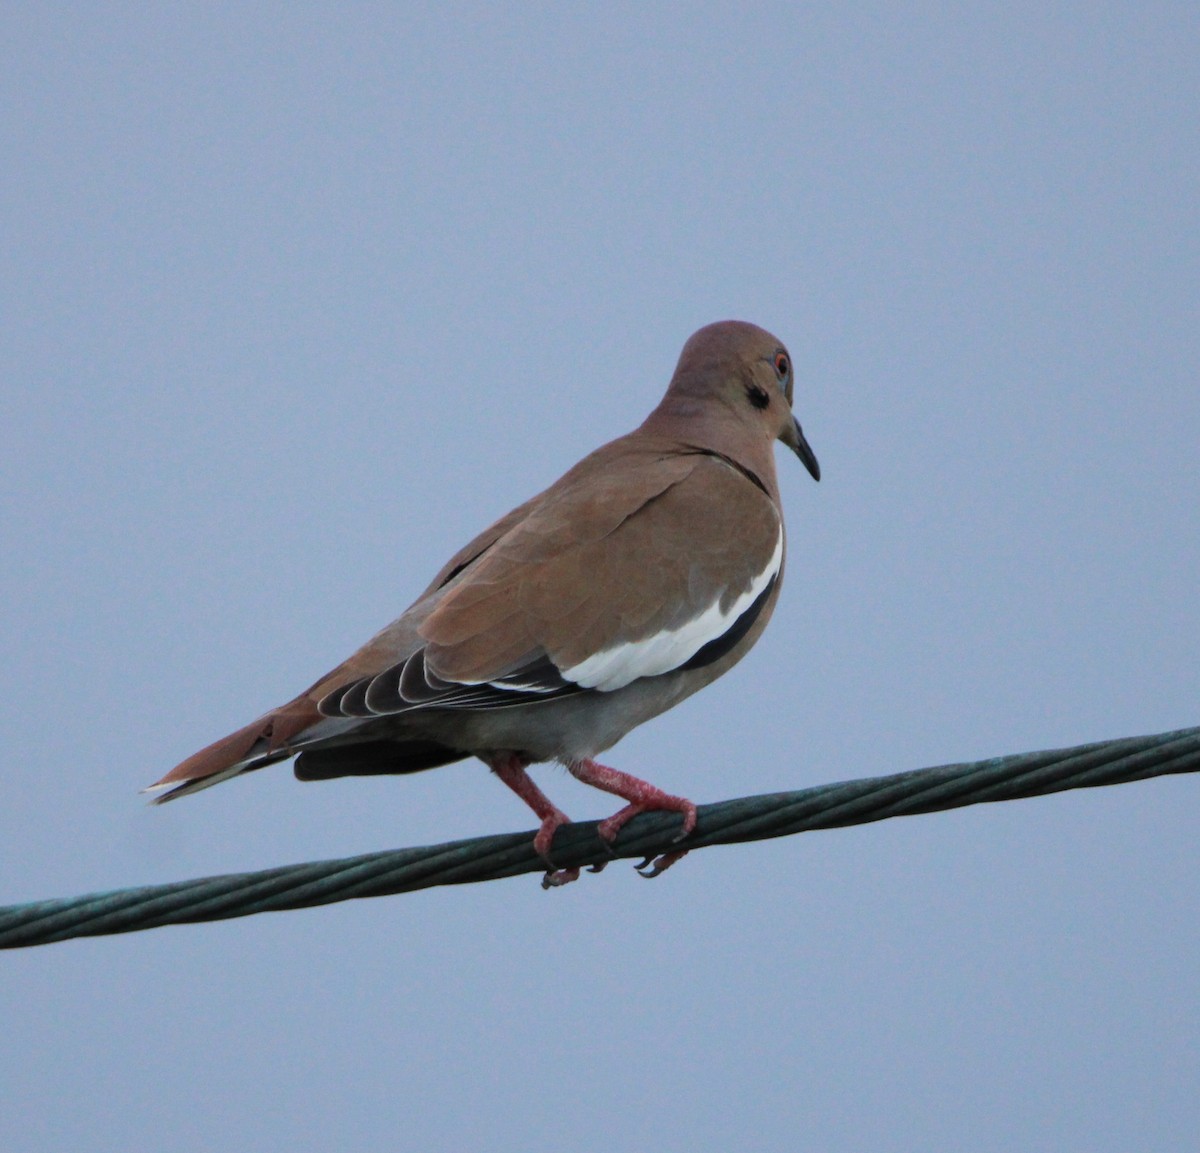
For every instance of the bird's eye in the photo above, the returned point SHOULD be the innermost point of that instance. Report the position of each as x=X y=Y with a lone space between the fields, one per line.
x=781 y=365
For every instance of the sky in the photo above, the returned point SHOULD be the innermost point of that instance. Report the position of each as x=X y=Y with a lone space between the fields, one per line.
x=294 y=299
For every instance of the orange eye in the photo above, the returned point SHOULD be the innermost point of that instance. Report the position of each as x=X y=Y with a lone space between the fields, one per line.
x=781 y=366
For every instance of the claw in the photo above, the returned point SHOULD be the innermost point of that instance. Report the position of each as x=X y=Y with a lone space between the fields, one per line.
x=556 y=878
x=600 y=866
x=655 y=868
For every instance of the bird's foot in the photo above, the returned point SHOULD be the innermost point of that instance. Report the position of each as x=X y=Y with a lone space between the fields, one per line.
x=556 y=878
x=510 y=768
x=642 y=797
x=545 y=835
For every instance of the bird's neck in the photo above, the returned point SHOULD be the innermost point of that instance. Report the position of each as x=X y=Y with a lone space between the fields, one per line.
x=690 y=423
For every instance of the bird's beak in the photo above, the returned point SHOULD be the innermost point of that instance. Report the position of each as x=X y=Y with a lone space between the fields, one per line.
x=793 y=437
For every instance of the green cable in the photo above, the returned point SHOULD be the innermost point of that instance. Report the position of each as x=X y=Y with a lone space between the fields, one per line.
x=510 y=854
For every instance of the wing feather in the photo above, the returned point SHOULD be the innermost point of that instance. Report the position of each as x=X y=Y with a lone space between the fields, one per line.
x=662 y=571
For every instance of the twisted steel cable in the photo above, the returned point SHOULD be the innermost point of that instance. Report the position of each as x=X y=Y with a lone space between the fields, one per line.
x=510 y=854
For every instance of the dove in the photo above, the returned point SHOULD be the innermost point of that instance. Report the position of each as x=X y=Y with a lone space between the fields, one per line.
x=640 y=576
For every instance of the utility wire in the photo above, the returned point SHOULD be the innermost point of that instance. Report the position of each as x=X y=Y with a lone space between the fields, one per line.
x=509 y=854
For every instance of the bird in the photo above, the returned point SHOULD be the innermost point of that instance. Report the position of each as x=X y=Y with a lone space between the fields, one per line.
x=645 y=572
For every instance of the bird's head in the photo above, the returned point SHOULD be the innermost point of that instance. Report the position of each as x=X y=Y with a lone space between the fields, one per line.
x=738 y=378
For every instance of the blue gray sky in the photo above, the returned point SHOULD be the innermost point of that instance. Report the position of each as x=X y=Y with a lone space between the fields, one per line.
x=296 y=298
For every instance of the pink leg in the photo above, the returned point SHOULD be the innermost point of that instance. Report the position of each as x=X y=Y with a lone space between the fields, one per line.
x=510 y=768
x=642 y=797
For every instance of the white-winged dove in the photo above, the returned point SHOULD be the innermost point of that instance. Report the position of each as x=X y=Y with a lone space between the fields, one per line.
x=643 y=574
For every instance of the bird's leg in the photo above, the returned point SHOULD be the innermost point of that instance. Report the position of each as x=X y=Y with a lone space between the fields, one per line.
x=642 y=797
x=510 y=768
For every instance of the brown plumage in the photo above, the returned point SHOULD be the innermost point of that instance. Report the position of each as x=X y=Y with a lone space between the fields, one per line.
x=640 y=576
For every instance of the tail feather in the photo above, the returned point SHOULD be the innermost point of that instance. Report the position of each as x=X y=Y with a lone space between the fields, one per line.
x=169 y=791
x=262 y=742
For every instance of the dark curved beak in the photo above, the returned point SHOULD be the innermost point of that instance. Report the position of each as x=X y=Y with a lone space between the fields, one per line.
x=794 y=439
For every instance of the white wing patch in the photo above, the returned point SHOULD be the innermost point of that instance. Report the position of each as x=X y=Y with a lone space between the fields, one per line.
x=615 y=667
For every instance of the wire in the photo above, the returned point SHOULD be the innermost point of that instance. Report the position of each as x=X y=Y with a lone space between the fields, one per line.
x=511 y=854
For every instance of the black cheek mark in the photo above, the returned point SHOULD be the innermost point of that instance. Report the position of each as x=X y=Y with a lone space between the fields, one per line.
x=757 y=396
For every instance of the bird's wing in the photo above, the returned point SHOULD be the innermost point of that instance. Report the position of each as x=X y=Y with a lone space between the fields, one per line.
x=648 y=564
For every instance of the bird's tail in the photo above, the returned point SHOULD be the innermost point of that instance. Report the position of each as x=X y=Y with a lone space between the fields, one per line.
x=262 y=742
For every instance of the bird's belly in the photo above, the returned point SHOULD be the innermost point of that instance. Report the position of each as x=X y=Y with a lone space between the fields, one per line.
x=564 y=729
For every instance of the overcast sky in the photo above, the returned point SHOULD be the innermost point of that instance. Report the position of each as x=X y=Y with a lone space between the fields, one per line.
x=295 y=298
